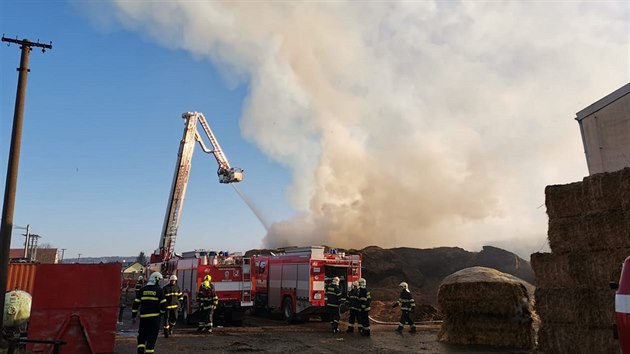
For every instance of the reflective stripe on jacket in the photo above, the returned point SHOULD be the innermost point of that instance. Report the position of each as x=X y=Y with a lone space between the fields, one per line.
x=365 y=299
x=173 y=295
x=353 y=299
x=334 y=295
x=149 y=302
x=207 y=296
x=406 y=301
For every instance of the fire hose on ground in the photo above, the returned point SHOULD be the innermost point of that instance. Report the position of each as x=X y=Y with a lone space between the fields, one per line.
x=396 y=323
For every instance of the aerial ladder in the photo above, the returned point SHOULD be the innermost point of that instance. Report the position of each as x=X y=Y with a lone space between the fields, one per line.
x=226 y=173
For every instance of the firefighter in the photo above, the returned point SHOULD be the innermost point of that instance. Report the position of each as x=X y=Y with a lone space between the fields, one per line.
x=407 y=305
x=334 y=299
x=365 y=299
x=151 y=303
x=139 y=284
x=173 y=296
x=353 y=305
x=208 y=301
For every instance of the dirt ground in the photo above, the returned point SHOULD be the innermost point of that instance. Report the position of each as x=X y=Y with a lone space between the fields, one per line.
x=262 y=334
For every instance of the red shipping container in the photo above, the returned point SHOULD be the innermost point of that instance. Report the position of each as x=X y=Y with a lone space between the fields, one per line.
x=21 y=277
x=75 y=303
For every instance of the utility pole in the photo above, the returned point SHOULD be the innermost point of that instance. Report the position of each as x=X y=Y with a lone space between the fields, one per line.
x=26 y=240
x=34 y=246
x=14 y=159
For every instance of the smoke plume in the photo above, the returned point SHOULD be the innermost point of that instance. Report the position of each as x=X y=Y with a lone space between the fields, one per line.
x=418 y=124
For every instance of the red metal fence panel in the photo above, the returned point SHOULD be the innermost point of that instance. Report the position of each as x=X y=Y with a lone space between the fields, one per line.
x=76 y=303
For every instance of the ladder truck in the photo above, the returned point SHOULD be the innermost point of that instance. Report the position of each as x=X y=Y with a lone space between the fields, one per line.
x=231 y=273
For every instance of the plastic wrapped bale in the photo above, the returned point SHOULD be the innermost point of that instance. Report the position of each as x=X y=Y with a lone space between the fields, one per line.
x=485 y=306
x=17 y=308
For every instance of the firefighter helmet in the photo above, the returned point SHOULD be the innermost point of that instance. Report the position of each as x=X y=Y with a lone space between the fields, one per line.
x=362 y=283
x=335 y=280
x=140 y=278
x=404 y=285
x=355 y=284
x=155 y=278
x=207 y=278
x=173 y=277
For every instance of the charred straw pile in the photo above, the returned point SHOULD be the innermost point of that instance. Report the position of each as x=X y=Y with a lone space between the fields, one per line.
x=589 y=237
x=485 y=306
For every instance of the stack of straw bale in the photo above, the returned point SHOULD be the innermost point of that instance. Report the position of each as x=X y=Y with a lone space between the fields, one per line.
x=589 y=237
x=487 y=307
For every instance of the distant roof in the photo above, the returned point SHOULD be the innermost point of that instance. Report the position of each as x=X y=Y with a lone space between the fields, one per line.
x=16 y=253
x=44 y=255
x=135 y=267
x=624 y=90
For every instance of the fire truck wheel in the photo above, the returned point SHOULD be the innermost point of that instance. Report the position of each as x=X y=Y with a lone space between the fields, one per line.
x=287 y=310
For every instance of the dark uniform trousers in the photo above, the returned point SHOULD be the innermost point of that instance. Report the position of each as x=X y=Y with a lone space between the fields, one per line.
x=333 y=312
x=405 y=318
x=365 y=300
x=171 y=318
x=148 y=331
x=353 y=303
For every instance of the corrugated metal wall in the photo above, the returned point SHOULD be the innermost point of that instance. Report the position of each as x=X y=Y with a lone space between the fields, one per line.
x=21 y=276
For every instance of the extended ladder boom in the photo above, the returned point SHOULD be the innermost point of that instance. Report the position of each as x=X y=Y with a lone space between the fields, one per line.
x=226 y=174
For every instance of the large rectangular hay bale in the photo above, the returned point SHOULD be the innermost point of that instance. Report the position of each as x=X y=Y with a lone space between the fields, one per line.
x=488 y=330
x=578 y=269
x=603 y=191
x=595 y=307
x=556 y=338
x=590 y=232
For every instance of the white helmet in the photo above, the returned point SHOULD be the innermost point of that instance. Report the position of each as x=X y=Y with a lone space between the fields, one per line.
x=335 y=280
x=140 y=277
x=173 y=277
x=404 y=285
x=362 y=283
x=155 y=278
x=355 y=284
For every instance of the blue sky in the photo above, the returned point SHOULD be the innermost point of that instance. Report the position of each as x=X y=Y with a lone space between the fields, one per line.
x=398 y=123
x=102 y=126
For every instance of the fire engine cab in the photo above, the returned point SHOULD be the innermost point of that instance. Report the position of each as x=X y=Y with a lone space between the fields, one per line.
x=293 y=282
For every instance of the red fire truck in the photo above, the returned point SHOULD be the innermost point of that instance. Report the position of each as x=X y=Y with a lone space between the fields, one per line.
x=231 y=276
x=622 y=308
x=230 y=272
x=293 y=282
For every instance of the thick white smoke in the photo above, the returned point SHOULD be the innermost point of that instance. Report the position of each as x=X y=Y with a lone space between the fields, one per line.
x=419 y=124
